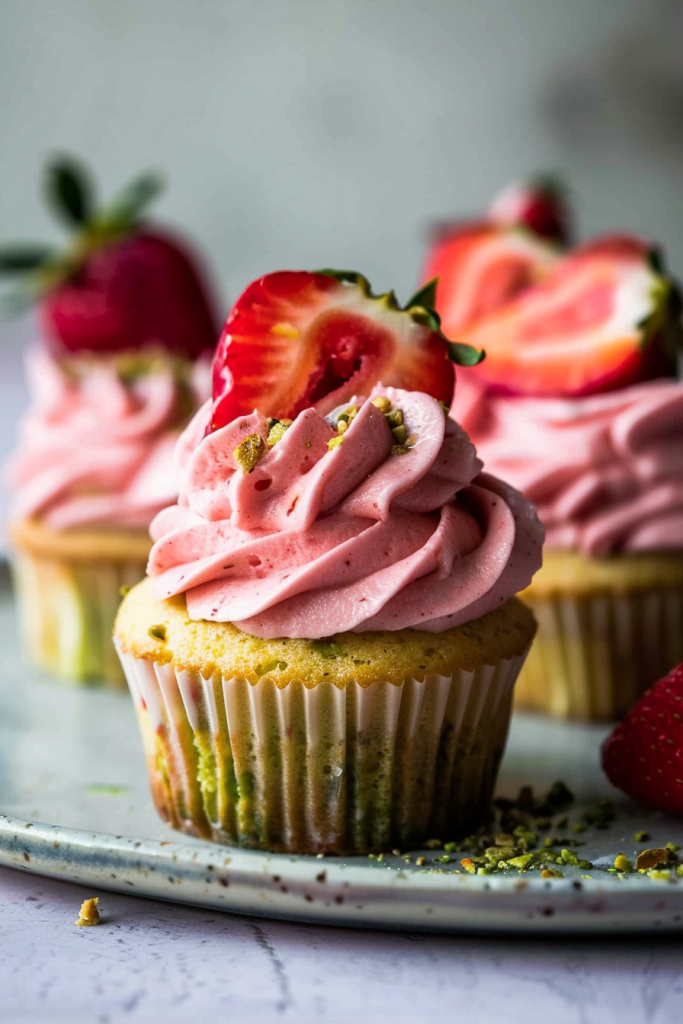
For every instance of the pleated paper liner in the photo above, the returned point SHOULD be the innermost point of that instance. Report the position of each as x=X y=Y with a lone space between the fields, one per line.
x=322 y=768
x=595 y=654
x=67 y=609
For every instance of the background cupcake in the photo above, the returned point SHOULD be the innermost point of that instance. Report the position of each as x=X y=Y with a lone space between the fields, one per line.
x=120 y=366
x=323 y=657
x=579 y=406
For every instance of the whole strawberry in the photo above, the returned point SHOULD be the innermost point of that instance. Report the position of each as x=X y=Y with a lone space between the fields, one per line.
x=119 y=285
x=644 y=754
x=539 y=204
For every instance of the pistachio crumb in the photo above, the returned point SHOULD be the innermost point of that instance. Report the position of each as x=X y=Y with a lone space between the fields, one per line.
x=382 y=403
x=468 y=864
x=420 y=861
x=125 y=589
x=157 y=632
x=334 y=442
x=399 y=449
x=641 y=837
x=551 y=873
x=89 y=915
x=276 y=431
x=659 y=875
x=622 y=863
x=400 y=433
x=248 y=452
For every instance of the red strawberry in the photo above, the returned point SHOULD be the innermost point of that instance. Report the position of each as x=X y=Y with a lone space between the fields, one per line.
x=480 y=267
x=539 y=204
x=608 y=316
x=119 y=286
x=643 y=756
x=301 y=338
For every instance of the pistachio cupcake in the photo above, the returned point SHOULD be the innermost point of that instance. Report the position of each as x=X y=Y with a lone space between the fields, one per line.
x=323 y=655
x=120 y=365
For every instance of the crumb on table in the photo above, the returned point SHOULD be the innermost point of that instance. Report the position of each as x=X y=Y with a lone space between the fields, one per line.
x=89 y=914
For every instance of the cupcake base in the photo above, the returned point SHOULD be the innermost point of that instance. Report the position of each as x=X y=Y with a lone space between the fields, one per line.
x=307 y=764
x=608 y=629
x=69 y=588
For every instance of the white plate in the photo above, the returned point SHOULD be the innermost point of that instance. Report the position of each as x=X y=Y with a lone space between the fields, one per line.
x=71 y=758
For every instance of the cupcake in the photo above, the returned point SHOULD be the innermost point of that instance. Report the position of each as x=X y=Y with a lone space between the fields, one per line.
x=578 y=405
x=323 y=654
x=120 y=365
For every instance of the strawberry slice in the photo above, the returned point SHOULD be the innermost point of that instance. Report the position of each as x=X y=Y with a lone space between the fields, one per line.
x=296 y=339
x=643 y=756
x=539 y=204
x=480 y=267
x=607 y=317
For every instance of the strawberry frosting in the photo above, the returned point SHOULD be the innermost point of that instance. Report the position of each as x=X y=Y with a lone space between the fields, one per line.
x=605 y=472
x=316 y=540
x=96 y=451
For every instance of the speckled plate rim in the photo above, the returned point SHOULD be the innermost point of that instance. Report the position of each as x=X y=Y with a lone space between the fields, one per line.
x=333 y=891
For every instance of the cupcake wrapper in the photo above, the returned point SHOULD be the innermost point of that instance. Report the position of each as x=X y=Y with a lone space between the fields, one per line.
x=310 y=769
x=67 y=609
x=594 y=655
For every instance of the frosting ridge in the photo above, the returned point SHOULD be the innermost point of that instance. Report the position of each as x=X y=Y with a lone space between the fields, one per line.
x=605 y=471
x=328 y=533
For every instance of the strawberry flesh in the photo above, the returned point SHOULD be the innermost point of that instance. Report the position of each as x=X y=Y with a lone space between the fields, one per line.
x=643 y=756
x=298 y=338
x=603 y=319
x=480 y=267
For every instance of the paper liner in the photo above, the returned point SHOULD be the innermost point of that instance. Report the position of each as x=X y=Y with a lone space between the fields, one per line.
x=67 y=609
x=594 y=655
x=311 y=769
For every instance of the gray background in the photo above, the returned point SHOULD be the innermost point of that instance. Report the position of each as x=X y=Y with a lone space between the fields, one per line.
x=299 y=133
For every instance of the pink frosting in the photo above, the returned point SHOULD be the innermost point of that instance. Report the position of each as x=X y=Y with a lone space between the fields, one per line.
x=606 y=471
x=95 y=451
x=316 y=541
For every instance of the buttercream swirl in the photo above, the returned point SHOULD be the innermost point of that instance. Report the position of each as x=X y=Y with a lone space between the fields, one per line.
x=605 y=472
x=318 y=540
x=96 y=449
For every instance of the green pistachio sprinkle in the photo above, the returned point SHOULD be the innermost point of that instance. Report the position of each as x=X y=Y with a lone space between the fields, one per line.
x=622 y=863
x=641 y=837
x=334 y=442
x=395 y=418
x=276 y=431
x=399 y=449
x=248 y=452
x=382 y=403
x=328 y=648
x=270 y=666
x=125 y=589
x=157 y=632
x=551 y=873
x=400 y=433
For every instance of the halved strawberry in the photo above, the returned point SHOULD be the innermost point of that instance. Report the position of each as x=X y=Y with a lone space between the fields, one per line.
x=299 y=338
x=539 y=204
x=480 y=266
x=607 y=317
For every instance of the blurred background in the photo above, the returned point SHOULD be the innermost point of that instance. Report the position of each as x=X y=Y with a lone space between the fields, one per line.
x=300 y=133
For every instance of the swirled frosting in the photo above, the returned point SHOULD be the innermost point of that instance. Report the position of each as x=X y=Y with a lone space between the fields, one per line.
x=317 y=540
x=606 y=471
x=96 y=449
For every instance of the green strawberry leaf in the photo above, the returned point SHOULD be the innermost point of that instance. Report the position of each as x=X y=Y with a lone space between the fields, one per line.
x=127 y=206
x=464 y=355
x=425 y=297
x=20 y=259
x=69 y=191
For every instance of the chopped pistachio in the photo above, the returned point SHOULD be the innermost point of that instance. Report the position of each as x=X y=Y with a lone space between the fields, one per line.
x=659 y=876
x=622 y=863
x=520 y=862
x=328 y=648
x=578 y=827
x=420 y=861
x=654 y=858
x=395 y=418
x=276 y=431
x=468 y=864
x=342 y=426
x=382 y=403
x=569 y=857
x=641 y=837
x=399 y=449
x=248 y=452
x=449 y=847
x=157 y=632
x=672 y=847
x=125 y=589
x=400 y=433
x=433 y=844
x=334 y=442
x=551 y=873
x=89 y=915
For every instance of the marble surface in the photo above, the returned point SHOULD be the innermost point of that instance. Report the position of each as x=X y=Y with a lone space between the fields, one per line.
x=151 y=961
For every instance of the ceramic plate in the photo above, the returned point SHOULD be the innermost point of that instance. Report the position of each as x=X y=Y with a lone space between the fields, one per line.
x=75 y=803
